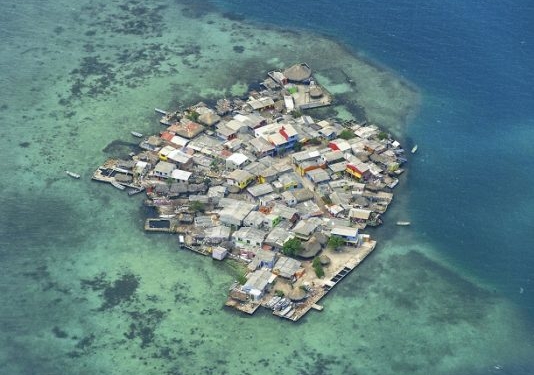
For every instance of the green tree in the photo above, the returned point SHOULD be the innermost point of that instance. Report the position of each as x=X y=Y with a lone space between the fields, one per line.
x=197 y=206
x=292 y=247
x=335 y=242
x=318 y=267
x=297 y=147
x=383 y=135
x=347 y=134
x=193 y=116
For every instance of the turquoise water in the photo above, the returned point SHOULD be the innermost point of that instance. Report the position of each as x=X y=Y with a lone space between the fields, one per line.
x=86 y=291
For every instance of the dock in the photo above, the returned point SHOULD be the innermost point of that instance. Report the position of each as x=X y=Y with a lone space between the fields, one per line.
x=246 y=307
x=295 y=311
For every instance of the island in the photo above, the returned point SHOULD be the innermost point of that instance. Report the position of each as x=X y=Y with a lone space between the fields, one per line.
x=258 y=182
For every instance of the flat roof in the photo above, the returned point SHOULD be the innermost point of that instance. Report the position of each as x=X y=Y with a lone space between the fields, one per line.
x=181 y=175
x=344 y=231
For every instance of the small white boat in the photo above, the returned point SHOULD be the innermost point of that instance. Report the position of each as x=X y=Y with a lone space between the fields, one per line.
x=136 y=134
x=414 y=149
x=403 y=223
x=72 y=174
x=117 y=185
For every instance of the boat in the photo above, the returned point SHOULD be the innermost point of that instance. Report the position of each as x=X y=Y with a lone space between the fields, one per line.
x=135 y=191
x=414 y=149
x=117 y=185
x=72 y=174
x=160 y=111
x=136 y=134
x=403 y=223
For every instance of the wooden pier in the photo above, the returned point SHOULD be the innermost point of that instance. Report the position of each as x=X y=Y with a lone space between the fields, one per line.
x=311 y=303
x=297 y=310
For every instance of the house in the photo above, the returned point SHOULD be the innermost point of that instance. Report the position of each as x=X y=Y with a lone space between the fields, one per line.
x=164 y=169
x=254 y=219
x=302 y=195
x=180 y=176
x=260 y=147
x=308 y=209
x=359 y=215
x=252 y=120
x=258 y=191
x=224 y=132
x=216 y=235
x=262 y=259
x=258 y=283
x=358 y=170
x=235 y=214
x=271 y=220
x=278 y=77
x=249 y=236
x=328 y=133
x=301 y=156
x=180 y=158
x=282 y=136
x=178 y=141
x=286 y=267
x=141 y=168
x=289 y=198
x=337 y=168
x=164 y=152
x=240 y=178
x=289 y=103
x=233 y=144
x=209 y=118
x=262 y=103
x=304 y=229
x=309 y=165
x=289 y=181
x=236 y=161
x=286 y=213
x=219 y=253
x=339 y=144
x=188 y=129
x=348 y=234
x=333 y=157
x=277 y=237
x=318 y=176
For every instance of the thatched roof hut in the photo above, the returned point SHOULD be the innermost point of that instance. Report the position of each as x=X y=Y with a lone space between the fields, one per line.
x=298 y=72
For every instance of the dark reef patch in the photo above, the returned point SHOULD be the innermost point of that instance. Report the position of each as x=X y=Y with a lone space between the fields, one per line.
x=121 y=290
x=24 y=144
x=144 y=325
x=238 y=49
x=59 y=333
x=114 y=293
x=238 y=17
x=120 y=149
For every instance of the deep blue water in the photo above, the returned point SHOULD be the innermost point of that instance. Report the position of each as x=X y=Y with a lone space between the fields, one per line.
x=472 y=178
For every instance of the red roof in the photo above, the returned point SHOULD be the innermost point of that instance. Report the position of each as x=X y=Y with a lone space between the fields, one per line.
x=283 y=132
x=167 y=136
x=333 y=146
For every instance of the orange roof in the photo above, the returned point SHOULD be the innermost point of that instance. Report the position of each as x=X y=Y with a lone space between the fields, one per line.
x=167 y=136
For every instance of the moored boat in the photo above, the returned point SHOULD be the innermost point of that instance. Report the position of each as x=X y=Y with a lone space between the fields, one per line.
x=414 y=149
x=117 y=185
x=403 y=223
x=135 y=191
x=136 y=134
x=72 y=174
